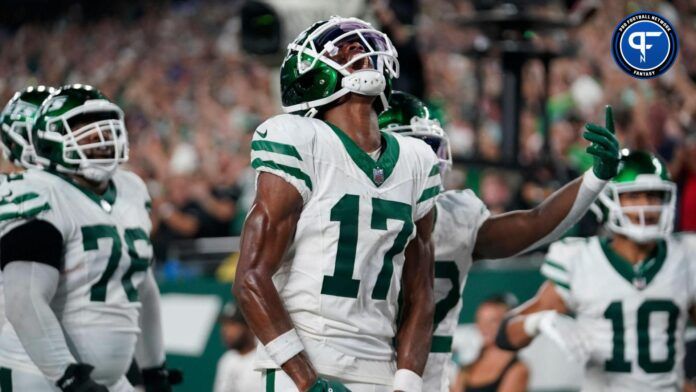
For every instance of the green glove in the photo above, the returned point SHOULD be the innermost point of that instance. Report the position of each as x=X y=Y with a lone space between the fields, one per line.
x=324 y=385
x=604 y=148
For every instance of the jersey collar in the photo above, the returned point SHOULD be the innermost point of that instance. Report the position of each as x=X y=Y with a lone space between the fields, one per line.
x=377 y=171
x=105 y=201
x=639 y=275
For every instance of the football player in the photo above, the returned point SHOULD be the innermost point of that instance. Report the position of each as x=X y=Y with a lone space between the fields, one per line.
x=340 y=226
x=465 y=231
x=631 y=292
x=75 y=256
x=15 y=123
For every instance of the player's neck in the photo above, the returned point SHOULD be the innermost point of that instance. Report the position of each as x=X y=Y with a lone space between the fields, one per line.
x=358 y=120
x=630 y=250
x=97 y=187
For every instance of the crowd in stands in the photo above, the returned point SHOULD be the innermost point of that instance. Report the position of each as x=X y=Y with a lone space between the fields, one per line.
x=192 y=98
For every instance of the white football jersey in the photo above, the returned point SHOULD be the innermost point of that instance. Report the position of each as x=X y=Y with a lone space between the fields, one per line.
x=633 y=316
x=342 y=274
x=460 y=214
x=106 y=251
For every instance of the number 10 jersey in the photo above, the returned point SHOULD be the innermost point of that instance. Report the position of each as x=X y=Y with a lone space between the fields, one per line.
x=341 y=277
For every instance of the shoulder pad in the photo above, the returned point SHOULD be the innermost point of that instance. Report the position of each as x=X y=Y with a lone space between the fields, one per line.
x=288 y=129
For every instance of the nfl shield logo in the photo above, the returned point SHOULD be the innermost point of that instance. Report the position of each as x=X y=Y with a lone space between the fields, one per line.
x=639 y=282
x=378 y=175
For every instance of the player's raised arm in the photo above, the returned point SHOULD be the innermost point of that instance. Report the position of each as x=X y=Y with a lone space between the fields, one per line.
x=267 y=233
x=415 y=331
x=514 y=232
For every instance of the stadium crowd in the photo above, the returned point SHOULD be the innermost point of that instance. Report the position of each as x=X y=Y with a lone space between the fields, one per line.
x=192 y=99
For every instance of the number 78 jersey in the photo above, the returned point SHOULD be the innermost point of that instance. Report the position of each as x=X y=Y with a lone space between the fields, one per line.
x=105 y=251
x=342 y=275
x=633 y=317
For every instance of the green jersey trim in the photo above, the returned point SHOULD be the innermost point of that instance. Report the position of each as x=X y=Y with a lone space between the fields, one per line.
x=19 y=199
x=435 y=170
x=555 y=265
x=377 y=171
x=275 y=147
x=441 y=344
x=559 y=283
x=270 y=380
x=109 y=195
x=25 y=214
x=292 y=171
x=429 y=193
x=645 y=271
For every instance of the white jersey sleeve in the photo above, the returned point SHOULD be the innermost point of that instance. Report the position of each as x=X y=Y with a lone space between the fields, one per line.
x=460 y=214
x=558 y=266
x=284 y=147
x=429 y=185
x=23 y=198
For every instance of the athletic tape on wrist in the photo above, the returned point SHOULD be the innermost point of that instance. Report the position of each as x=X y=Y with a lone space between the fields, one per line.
x=407 y=381
x=593 y=183
x=284 y=347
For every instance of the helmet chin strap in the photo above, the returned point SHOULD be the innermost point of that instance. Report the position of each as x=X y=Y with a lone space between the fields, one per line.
x=368 y=82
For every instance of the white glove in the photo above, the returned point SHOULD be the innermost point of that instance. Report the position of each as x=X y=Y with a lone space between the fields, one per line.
x=563 y=330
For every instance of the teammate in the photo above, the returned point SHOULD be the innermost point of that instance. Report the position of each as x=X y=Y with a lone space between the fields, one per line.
x=631 y=292
x=340 y=226
x=75 y=256
x=15 y=123
x=465 y=231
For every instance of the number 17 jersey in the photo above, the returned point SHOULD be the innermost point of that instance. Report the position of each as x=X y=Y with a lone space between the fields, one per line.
x=341 y=277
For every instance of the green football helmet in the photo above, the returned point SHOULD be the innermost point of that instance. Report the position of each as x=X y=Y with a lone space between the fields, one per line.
x=311 y=79
x=409 y=116
x=79 y=131
x=15 y=125
x=640 y=171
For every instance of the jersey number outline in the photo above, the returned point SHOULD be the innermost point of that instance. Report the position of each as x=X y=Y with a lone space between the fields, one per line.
x=446 y=270
x=346 y=213
x=617 y=362
x=90 y=241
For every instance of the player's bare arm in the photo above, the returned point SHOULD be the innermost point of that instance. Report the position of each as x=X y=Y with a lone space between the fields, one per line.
x=414 y=335
x=511 y=233
x=514 y=329
x=267 y=233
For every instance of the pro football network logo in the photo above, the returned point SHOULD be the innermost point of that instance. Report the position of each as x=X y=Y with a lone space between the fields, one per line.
x=644 y=45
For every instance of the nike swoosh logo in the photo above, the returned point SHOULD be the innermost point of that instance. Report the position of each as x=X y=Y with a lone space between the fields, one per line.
x=263 y=135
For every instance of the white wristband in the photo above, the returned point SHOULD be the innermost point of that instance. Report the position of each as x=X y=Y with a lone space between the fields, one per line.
x=407 y=381
x=284 y=347
x=592 y=182
x=532 y=322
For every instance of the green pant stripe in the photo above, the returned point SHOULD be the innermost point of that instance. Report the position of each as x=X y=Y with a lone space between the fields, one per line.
x=293 y=171
x=278 y=148
x=5 y=380
x=441 y=344
x=429 y=193
x=270 y=380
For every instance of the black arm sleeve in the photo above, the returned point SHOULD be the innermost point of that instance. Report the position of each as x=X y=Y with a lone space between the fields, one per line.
x=501 y=339
x=36 y=240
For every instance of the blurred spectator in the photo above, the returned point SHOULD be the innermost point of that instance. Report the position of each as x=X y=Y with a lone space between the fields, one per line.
x=235 y=371
x=495 y=370
x=495 y=192
x=684 y=172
